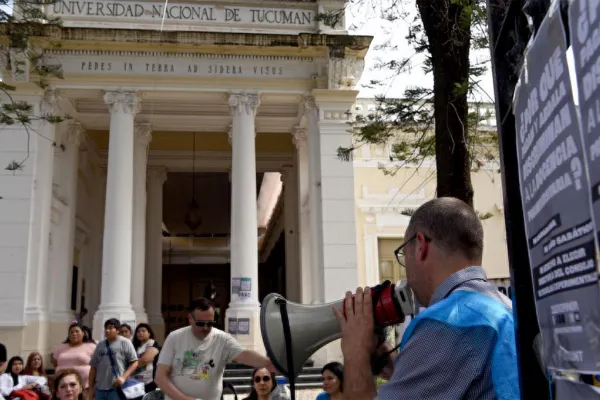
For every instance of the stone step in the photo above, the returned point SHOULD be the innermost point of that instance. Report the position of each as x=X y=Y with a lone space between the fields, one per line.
x=308 y=378
x=302 y=394
x=233 y=372
x=246 y=388
x=241 y=378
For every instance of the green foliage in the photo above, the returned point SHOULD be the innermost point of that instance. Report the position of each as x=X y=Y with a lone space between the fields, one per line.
x=331 y=18
x=484 y=216
x=407 y=123
x=409 y=212
x=27 y=20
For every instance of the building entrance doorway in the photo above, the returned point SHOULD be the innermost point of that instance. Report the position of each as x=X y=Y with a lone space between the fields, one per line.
x=182 y=283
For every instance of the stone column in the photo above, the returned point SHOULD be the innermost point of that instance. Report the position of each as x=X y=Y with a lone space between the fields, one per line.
x=115 y=299
x=63 y=233
x=95 y=284
x=143 y=136
x=332 y=207
x=154 y=262
x=244 y=225
x=333 y=182
x=41 y=166
x=314 y=201
x=304 y=237
x=293 y=273
x=37 y=162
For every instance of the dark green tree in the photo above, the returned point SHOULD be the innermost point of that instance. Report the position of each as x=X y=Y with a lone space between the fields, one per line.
x=23 y=31
x=437 y=122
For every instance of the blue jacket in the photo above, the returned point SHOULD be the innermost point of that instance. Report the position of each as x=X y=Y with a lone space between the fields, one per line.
x=464 y=309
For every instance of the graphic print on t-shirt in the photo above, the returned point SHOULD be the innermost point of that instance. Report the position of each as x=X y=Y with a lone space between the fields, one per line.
x=194 y=366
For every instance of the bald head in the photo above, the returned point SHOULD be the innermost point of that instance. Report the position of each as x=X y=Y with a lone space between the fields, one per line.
x=452 y=225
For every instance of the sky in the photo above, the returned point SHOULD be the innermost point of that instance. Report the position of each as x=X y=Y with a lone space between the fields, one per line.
x=367 y=22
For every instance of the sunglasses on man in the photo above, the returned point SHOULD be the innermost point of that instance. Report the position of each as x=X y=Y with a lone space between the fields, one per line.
x=265 y=379
x=202 y=324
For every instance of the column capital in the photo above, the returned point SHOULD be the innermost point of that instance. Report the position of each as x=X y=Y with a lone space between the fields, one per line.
x=157 y=173
x=50 y=103
x=309 y=103
x=243 y=103
x=75 y=133
x=143 y=133
x=299 y=136
x=123 y=102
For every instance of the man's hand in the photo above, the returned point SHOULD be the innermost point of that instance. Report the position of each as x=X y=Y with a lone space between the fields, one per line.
x=271 y=368
x=119 y=381
x=357 y=325
x=357 y=344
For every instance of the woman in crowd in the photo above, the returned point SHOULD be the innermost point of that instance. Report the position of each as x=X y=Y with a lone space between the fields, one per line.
x=35 y=365
x=87 y=334
x=333 y=381
x=147 y=351
x=125 y=331
x=76 y=353
x=14 y=379
x=67 y=385
x=263 y=384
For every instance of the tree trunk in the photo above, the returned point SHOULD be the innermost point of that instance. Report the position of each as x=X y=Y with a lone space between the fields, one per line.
x=449 y=46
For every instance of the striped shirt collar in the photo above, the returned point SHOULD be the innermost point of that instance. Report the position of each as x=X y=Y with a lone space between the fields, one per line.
x=455 y=280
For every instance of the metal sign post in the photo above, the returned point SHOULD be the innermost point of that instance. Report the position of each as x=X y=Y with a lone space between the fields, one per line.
x=509 y=33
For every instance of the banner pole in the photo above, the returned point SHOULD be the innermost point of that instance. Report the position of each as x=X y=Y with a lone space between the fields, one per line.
x=509 y=33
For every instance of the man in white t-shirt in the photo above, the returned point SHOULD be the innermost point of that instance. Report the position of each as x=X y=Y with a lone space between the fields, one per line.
x=193 y=359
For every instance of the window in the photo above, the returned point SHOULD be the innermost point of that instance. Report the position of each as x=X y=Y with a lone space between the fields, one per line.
x=389 y=268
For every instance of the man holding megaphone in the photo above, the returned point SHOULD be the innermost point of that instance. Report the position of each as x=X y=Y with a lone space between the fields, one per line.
x=463 y=344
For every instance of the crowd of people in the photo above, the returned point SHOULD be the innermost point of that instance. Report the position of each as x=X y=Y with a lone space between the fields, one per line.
x=467 y=326
x=86 y=362
x=87 y=370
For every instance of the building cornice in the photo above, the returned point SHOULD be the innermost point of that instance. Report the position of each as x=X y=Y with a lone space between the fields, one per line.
x=198 y=41
x=181 y=161
x=165 y=54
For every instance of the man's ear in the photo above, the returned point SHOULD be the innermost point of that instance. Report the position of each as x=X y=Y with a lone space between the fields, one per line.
x=423 y=246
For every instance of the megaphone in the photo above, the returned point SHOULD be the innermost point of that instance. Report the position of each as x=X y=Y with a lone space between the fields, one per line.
x=293 y=332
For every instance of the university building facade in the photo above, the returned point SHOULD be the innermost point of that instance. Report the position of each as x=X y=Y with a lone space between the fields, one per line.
x=200 y=157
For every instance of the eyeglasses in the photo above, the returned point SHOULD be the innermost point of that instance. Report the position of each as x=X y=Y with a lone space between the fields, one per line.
x=399 y=252
x=265 y=379
x=202 y=324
